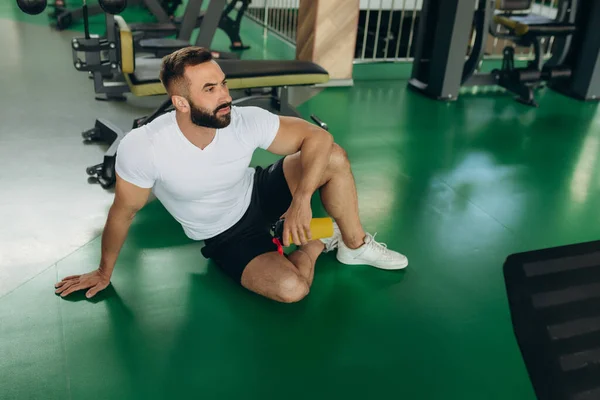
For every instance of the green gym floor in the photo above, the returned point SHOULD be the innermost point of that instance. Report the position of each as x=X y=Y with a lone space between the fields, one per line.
x=457 y=187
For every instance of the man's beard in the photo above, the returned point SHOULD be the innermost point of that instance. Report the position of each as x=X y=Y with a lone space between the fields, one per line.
x=210 y=119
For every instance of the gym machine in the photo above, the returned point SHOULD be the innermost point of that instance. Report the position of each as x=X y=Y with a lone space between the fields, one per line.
x=161 y=46
x=167 y=24
x=182 y=27
x=100 y=55
x=63 y=16
x=441 y=67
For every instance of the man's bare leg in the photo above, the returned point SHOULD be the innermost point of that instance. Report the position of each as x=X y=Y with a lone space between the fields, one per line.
x=340 y=199
x=283 y=279
x=305 y=257
x=338 y=193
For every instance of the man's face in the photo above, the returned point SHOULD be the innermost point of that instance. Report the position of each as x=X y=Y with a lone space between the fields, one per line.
x=209 y=100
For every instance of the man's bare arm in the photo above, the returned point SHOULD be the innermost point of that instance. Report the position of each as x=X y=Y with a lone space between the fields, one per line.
x=315 y=145
x=129 y=199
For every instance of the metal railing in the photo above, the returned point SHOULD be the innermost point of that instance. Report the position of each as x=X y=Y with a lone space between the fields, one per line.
x=277 y=16
x=387 y=29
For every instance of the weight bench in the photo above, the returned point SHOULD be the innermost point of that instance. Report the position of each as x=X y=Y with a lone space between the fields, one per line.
x=271 y=78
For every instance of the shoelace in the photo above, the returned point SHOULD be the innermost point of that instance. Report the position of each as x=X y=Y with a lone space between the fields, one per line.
x=332 y=244
x=381 y=247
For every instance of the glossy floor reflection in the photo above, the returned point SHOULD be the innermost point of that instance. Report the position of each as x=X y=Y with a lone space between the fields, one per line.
x=457 y=187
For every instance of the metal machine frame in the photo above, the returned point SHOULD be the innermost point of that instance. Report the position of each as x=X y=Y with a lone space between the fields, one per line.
x=584 y=57
x=440 y=68
x=216 y=16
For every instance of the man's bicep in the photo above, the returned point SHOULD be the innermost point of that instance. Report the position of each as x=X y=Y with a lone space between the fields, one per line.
x=290 y=135
x=129 y=197
x=135 y=159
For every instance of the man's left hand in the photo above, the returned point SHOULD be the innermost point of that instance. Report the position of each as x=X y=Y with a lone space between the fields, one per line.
x=297 y=222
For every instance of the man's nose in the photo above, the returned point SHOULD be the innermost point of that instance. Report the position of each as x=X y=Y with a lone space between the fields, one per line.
x=225 y=96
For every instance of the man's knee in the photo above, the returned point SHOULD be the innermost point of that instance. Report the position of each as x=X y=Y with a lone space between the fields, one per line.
x=292 y=289
x=338 y=160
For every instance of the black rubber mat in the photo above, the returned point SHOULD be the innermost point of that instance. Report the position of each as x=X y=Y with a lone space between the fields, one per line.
x=554 y=298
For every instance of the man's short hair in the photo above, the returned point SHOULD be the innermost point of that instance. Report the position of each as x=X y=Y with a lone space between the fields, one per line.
x=174 y=65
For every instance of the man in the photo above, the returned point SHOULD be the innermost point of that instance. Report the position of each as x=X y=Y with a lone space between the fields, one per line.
x=196 y=161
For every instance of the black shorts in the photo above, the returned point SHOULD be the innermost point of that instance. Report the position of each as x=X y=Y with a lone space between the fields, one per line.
x=250 y=237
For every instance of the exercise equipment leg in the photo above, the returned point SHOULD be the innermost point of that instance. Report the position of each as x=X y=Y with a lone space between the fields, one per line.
x=584 y=56
x=104 y=131
x=440 y=49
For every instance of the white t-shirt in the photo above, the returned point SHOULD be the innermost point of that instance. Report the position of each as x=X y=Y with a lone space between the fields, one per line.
x=206 y=190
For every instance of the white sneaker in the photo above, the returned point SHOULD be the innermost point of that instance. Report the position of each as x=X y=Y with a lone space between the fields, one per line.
x=371 y=253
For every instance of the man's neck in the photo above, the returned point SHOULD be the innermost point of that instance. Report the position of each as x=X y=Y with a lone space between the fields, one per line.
x=200 y=136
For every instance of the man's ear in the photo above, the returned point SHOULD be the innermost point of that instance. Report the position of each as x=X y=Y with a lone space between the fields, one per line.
x=180 y=103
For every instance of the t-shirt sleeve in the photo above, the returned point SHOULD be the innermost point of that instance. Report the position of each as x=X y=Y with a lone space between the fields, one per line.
x=135 y=159
x=259 y=126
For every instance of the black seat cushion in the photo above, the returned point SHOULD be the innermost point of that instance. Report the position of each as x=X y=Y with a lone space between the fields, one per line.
x=257 y=68
x=154 y=26
x=513 y=5
x=147 y=69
